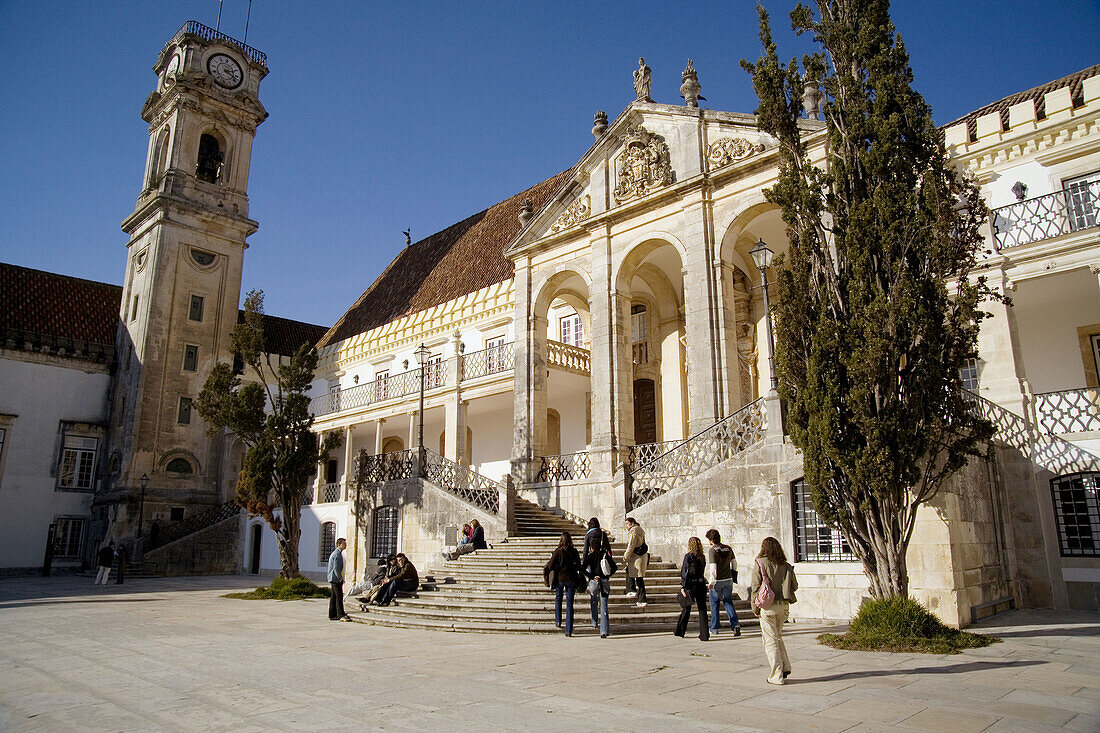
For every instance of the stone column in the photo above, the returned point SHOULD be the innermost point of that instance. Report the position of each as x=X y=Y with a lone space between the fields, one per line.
x=1001 y=368
x=379 y=426
x=349 y=460
x=454 y=437
x=702 y=336
x=411 y=445
x=612 y=364
x=529 y=380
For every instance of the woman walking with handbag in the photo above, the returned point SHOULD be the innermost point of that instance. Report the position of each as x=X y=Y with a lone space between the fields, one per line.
x=693 y=589
x=562 y=573
x=599 y=566
x=773 y=587
x=636 y=559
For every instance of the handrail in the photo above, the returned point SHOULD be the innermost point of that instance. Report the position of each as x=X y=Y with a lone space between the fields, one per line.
x=707 y=448
x=384 y=388
x=191 y=525
x=207 y=33
x=1068 y=410
x=493 y=360
x=463 y=482
x=565 y=467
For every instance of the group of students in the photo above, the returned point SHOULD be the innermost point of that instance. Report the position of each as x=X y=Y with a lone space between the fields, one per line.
x=473 y=538
x=395 y=574
x=704 y=576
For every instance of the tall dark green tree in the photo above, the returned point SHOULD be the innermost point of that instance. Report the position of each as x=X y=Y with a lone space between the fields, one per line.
x=875 y=308
x=269 y=412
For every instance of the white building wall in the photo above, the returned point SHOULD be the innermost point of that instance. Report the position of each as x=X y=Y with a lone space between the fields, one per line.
x=41 y=393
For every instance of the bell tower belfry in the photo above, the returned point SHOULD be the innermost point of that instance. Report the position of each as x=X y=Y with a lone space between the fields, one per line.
x=182 y=283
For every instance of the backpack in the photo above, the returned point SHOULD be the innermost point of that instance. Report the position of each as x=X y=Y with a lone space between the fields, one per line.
x=765 y=596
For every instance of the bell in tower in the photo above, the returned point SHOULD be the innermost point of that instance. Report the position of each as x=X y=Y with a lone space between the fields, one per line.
x=187 y=236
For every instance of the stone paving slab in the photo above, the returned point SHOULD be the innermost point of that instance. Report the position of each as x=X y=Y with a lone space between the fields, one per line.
x=173 y=655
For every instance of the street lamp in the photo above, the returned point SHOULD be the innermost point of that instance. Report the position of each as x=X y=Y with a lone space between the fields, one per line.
x=422 y=353
x=144 y=481
x=762 y=256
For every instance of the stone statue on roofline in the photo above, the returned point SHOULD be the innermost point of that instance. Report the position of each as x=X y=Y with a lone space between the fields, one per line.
x=643 y=81
x=690 y=89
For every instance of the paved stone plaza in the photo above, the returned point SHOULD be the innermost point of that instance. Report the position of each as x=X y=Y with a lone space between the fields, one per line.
x=170 y=654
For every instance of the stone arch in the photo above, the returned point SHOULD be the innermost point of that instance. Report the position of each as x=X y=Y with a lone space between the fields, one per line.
x=179 y=454
x=639 y=249
x=552 y=286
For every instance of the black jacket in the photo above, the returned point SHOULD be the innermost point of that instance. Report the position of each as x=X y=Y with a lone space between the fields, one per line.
x=592 y=567
x=564 y=566
x=478 y=538
x=691 y=571
x=106 y=556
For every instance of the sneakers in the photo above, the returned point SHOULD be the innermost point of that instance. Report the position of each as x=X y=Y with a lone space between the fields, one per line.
x=632 y=594
x=603 y=636
x=346 y=619
x=641 y=604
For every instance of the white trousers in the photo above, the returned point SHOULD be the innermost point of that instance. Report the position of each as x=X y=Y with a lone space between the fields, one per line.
x=101 y=577
x=771 y=630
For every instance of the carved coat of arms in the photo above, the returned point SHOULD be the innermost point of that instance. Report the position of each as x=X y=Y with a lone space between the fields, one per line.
x=644 y=165
x=728 y=149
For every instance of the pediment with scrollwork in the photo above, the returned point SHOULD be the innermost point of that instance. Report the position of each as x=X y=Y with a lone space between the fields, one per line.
x=726 y=150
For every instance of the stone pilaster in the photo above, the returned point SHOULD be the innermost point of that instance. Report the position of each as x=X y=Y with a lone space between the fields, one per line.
x=454 y=435
x=349 y=459
x=612 y=365
x=529 y=379
x=379 y=432
x=700 y=306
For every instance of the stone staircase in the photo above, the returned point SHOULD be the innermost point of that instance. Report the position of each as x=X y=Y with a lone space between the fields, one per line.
x=501 y=589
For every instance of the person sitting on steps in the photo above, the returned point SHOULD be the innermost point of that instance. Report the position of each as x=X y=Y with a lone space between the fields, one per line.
x=476 y=542
x=406 y=580
x=386 y=569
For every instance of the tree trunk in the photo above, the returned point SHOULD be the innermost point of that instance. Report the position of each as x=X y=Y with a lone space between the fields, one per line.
x=289 y=537
x=888 y=573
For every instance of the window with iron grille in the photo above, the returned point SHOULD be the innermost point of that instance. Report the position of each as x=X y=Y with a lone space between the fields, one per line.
x=1077 y=515
x=1083 y=201
x=385 y=531
x=815 y=541
x=77 y=463
x=68 y=539
x=328 y=541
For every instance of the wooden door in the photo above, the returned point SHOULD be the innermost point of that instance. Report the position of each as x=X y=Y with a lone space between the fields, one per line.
x=645 y=412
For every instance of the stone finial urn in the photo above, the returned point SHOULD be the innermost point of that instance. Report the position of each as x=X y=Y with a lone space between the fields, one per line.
x=690 y=89
x=811 y=96
x=599 y=125
x=526 y=212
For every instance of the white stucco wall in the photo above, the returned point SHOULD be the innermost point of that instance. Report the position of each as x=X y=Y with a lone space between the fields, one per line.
x=1048 y=312
x=40 y=395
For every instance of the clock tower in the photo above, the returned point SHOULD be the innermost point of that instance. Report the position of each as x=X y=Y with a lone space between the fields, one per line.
x=182 y=284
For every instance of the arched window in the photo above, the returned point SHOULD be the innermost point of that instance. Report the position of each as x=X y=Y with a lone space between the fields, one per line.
x=328 y=541
x=209 y=167
x=179 y=466
x=385 y=531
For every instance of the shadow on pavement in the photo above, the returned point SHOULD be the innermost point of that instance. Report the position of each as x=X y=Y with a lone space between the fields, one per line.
x=964 y=668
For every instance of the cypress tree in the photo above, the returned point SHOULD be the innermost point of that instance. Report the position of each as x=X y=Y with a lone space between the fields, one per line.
x=875 y=308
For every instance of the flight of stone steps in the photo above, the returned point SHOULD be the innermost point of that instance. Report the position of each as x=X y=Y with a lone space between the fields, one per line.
x=502 y=590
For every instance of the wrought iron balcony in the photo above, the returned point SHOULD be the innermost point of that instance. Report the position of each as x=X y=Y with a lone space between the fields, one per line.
x=332 y=492
x=384 y=388
x=493 y=360
x=568 y=467
x=1044 y=217
x=207 y=33
x=1068 y=411
x=570 y=358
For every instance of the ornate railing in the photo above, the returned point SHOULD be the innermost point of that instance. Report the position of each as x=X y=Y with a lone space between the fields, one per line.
x=493 y=360
x=381 y=389
x=332 y=492
x=192 y=524
x=567 y=467
x=209 y=34
x=706 y=449
x=1043 y=217
x=1069 y=411
x=1049 y=451
x=373 y=469
x=463 y=482
x=570 y=358
x=636 y=455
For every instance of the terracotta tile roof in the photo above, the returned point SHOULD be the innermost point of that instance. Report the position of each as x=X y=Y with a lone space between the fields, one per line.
x=463 y=258
x=1073 y=81
x=58 y=306
x=284 y=336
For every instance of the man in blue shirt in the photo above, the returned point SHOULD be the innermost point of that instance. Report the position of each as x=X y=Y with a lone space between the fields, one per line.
x=336 y=581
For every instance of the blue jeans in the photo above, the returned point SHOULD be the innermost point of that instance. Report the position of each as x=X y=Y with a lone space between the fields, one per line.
x=722 y=594
x=568 y=590
x=599 y=599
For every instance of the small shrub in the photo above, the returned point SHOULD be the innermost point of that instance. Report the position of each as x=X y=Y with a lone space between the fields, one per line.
x=285 y=589
x=902 y=625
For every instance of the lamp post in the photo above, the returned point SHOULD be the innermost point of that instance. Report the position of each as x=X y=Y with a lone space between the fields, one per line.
x=144 y=481
x=422 y=353
x=762 y=256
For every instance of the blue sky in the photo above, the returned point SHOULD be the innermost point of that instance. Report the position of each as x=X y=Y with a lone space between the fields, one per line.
x=391 y=115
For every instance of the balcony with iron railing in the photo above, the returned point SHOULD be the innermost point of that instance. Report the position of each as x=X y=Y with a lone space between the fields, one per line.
x=385 y=388
x=1044 y=217
x=493 y=360
x=205 y=32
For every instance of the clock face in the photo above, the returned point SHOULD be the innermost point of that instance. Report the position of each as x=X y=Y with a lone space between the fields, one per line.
x=225 y=71
x=173 y=66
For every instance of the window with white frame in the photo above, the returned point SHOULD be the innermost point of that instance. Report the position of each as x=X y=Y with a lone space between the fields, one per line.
x=68 y=538
x=382 y=385
x=969 y=374
x=78 y=456
x=494 y=355
x=328 y=541
x=1083 y=200
x=433 y=375
x=571 y=330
